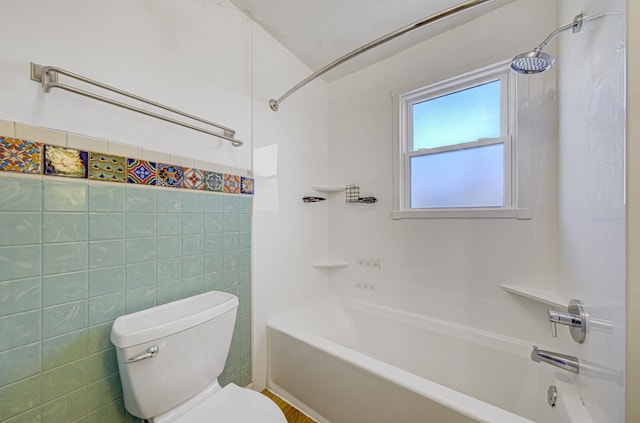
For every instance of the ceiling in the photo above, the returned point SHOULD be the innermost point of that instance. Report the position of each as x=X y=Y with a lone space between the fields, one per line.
x=320 y=31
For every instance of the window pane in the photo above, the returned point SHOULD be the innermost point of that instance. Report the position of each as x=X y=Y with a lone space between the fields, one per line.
x=473 y=177
x=458 y=117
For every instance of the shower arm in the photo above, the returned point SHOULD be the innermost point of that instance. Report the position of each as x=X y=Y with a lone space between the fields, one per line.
x=275 y=104
x=576 y=26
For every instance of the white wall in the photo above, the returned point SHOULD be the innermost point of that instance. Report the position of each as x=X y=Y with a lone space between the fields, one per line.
x=449 y=268
x=195 y=57
x=206 y=58
x=633 y=211
x=289 y=235
x=591 y=218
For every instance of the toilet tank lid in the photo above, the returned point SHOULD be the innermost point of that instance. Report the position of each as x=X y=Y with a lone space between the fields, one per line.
x=164 y=320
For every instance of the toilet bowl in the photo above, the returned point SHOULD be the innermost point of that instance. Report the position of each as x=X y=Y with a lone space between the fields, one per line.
x=170 y=358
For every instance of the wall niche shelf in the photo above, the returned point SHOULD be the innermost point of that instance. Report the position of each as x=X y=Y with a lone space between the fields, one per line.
x=330 y=264
x=545 y=296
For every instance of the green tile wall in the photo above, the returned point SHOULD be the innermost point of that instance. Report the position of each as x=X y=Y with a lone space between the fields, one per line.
x=76 y=255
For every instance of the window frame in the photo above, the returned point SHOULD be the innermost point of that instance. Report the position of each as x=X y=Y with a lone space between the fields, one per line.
x=403 y=144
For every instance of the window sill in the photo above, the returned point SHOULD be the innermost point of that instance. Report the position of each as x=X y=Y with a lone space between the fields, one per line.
x=520 y=214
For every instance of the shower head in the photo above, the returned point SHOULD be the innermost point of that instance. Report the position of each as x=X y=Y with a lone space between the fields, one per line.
x=537 y=61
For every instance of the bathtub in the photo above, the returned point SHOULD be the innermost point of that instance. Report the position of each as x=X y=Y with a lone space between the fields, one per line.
x=344 y=361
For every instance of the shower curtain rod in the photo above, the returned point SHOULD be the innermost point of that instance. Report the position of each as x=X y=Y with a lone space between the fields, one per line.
x=48 y=77
x=275 y=104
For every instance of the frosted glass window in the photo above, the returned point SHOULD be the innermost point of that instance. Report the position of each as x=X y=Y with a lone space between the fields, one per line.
x=472 y=177
x=458 y=117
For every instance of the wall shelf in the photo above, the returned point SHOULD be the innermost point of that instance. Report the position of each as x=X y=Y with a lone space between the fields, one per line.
x=330 y=264
x=545 y=296
x=325 y=188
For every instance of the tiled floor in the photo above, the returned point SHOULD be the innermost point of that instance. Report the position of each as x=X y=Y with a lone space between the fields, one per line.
x=292 y=414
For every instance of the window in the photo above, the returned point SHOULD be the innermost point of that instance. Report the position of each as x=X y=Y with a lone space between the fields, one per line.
x=455 y=149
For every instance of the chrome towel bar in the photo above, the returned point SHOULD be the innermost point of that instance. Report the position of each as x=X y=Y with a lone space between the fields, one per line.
x=48 y=77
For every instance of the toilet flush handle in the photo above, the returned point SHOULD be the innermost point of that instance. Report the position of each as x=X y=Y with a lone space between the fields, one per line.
x=151 y=352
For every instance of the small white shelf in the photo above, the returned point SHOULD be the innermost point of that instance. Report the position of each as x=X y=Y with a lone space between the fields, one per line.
x=330 y=264
x=545 y=296
x=328 y=188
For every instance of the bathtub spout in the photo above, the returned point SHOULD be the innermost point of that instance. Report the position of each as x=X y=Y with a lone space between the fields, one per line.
x=563 y=361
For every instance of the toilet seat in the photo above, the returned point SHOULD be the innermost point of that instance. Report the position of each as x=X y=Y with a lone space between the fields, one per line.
x=233 y=404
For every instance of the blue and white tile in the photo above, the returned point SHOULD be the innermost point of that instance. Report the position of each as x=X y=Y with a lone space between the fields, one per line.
x=67 y=408
x=19 y=194
x=19 y=295
x=140 y=200
x=20 y=228
x=64 y=288
x=19 y=397
x=64 y=349
x=106 y=198
x=64 y=318
x=140 y=298
x=20 y=262
x=64 y=380
x=106 y=308
x=65 y=196
x=19 y=329
x=19 y=363
x=140 y=250
x=106 y=280
x=106 y=253
x=64 y=257
x=64 y=227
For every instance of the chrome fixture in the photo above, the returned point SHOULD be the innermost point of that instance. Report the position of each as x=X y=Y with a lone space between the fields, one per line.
x=274 y=104
x=576 y=319
x=537 y=61
x=48 y=77
x=563 y=361
x=151 y=352
x=552 y=395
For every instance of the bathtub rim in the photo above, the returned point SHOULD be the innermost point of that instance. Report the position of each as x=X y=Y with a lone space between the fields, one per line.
x=464 y=404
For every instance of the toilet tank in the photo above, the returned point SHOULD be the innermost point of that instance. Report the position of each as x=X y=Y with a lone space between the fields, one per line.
x=192 y=336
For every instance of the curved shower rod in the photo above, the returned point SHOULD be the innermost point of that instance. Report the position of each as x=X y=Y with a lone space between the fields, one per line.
x=275 y=104
x=48 y=77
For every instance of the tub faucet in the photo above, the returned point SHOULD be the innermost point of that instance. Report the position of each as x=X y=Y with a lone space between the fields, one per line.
x=563 y=361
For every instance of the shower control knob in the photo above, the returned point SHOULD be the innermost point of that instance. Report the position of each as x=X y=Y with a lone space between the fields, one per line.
x=576 y=319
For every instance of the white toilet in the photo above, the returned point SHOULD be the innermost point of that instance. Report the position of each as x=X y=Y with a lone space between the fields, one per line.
x=170 y=358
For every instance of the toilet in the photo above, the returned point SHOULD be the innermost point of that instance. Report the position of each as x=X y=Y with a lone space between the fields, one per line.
x=170 y=357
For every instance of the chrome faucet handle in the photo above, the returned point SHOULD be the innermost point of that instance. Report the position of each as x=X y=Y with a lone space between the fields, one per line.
x=576 y=319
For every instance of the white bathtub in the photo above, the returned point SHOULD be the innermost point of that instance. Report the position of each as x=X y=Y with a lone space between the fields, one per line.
x=345 y=361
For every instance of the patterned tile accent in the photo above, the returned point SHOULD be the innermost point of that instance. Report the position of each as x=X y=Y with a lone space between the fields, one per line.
x=103 y=167
x=246 y=185
x=231 y=184
x=214 y=181
x=60 y=161
x=23 y=156
x=20 y=156
x=193 y=178
x=170 y=175
x=141 y=172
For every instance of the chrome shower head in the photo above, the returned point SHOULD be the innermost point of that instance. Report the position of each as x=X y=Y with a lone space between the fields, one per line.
x=537 y=61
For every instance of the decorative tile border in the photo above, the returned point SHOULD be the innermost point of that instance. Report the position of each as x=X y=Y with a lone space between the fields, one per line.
x=214 y=181
x=62 y=161
x=20 y=156
x=103 y=167
x=141 y=172
x=193 y=178
x=24 y=156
